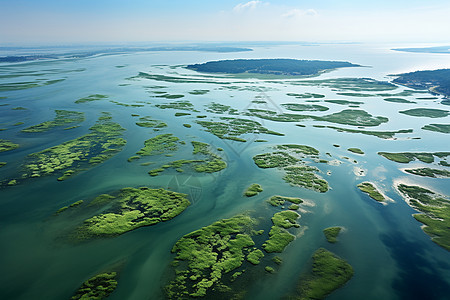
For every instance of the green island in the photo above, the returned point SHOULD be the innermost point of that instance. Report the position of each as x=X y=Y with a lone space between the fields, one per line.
x=182 y=105
x=428 y=172
x=344 y=102
x=305 y=95
x=370 y=189
x=98 y=287
x=435 y=81
x=304 y=107
x=442 y=128
x=280 y=200
x=210 y=163
x=253 y=190
x=181 y=114
x=289 y=67
x=434 y=212
x=160 y=144
x=6 y=145
x=232 y=128
x=255 y=256
x=62 y=118
x=347 y=117
x=426 y=112
x=90 y=98
x=406 y=157
x=331 y=234
x=398 y=100
x=329 y=272
x=204 y=258
x=349 y=84
x=306 y=177
x=169 y=96
x=356 y=150
x=274 y=160
x=379 y=134
x=132 y=208
x=217 y=108
x=103 y=142
x=296 y=172
x=279 y=237
x=2 y=164
x=149 y=122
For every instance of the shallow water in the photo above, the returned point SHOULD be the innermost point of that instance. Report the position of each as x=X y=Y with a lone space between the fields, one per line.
x=392 y=257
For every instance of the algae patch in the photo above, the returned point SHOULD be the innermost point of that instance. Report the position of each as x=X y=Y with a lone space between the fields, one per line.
x=6 y=145
x=104 y=141
x=62 y=118
x=204 y=256
x=132 y=208
x=98 y=287
x=329 y=272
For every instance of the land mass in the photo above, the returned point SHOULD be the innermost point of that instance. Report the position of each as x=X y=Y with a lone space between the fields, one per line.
x=290 y=67
x=436 y=81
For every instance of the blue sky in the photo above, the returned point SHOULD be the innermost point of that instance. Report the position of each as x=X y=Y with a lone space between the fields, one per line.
x=77 y=21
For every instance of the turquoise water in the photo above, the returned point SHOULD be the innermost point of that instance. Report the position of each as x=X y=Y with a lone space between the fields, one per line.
x=391 y=256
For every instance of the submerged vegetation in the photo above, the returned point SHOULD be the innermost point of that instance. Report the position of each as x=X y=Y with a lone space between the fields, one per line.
x=434 y=212
x=231 y=128
x=329 y=272
x=131 y=209
x=104 y=141
x=95 y=97
x=210 y=162
x=296 y=171
x=6 y=145
x=98 y=287
x=62 y=118
x=331 y=234
x=160 y=144
x=347 y=117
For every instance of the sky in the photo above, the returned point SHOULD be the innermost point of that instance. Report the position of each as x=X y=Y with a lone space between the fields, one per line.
x=103 y=21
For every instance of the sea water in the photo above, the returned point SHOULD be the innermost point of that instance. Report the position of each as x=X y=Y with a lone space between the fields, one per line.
x=391 y=256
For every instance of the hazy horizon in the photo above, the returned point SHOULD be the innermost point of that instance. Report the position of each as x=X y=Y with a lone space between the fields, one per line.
x=49 y=21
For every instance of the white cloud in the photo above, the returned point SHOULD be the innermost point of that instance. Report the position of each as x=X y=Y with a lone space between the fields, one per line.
x=245 y=6
x=297 y=13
